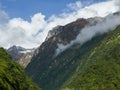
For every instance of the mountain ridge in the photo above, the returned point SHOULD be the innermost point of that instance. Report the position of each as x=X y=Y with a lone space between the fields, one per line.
x=44 y=56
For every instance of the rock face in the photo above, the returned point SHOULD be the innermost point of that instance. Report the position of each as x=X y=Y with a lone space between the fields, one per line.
x=54 y=32
x=21 y=55
x=91 y=66
x=60 y=34
x=25 y=58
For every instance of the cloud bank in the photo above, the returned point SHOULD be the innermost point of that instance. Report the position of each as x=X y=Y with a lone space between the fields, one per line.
x=88 y=33
x=29 y=34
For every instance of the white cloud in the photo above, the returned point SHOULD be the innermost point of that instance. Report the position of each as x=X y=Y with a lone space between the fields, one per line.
x=75 y=6
x=117 y=2
x=88 y=33
x=18 y=31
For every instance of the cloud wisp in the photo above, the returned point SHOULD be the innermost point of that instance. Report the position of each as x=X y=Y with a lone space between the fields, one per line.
x=29 y=34
x=88 y=33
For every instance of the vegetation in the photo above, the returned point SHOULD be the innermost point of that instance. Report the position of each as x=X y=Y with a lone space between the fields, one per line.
x=51 y=73
x=93 y=66
x=101 y=70
x=12 y=76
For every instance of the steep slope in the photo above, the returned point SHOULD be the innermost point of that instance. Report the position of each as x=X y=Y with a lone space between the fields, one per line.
x=51 y=72
x=21 y=55
x=12 y=76
x=25 y=59
x=101 y=70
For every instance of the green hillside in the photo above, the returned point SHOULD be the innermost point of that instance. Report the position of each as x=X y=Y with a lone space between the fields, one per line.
x=95 y=65
x=101 y=70
x=12 y=76
x=51 y=73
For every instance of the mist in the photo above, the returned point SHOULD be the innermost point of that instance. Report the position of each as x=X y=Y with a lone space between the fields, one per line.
x=109 y=23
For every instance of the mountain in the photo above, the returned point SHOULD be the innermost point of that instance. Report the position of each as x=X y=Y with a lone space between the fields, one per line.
x=54 y=31
x=101 y=68
x=92 y=65
x=21 y=55
x=47 y=70
x=12 y=76
x=15 y=52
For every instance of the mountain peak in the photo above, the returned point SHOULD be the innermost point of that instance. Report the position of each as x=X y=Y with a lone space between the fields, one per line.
x=21 y=55
x=54 y=31
x=16 y=49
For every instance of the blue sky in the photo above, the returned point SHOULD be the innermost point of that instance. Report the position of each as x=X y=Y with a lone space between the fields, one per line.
x=27 y=8
x=27 y=22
